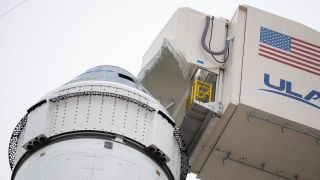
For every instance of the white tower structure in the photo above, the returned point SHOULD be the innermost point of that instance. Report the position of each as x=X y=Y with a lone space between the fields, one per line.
x=244 y=92
x=101 y=125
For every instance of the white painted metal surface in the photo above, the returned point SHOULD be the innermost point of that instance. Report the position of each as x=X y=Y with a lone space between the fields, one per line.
x=89 y=159
x=116 y=109
x=270 y=127
x=35 y=121
x=302 y=81
x=102 y=113
x=184 y=30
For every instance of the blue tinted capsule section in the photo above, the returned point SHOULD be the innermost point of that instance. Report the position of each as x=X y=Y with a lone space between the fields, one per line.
x=111 y=74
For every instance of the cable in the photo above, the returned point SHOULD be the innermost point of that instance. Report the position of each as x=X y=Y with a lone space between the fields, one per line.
x=211 y=30
x=212 y=18
x=208 y=49
x=203 y=40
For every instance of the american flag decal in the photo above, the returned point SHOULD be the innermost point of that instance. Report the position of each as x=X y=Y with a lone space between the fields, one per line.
x=289 y=51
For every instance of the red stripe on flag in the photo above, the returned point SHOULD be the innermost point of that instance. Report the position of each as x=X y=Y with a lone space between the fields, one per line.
x=287 y=54
x=316 y=46
x=292 y=65
x=302 y=64
x=306 y=47
x=303 y=55
x=307 y=52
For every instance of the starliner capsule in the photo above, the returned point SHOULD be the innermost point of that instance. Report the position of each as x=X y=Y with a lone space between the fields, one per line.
x=101 y=125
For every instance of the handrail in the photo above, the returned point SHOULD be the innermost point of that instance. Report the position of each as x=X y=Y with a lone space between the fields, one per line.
x=201 y=91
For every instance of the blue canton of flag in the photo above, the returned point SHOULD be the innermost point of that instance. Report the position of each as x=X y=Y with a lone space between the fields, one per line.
x=275 y=39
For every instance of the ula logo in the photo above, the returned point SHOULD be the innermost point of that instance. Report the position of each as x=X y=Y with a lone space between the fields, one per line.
x=284 y=88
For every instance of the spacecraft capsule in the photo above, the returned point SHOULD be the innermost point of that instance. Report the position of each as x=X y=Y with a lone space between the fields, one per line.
x=103 y=124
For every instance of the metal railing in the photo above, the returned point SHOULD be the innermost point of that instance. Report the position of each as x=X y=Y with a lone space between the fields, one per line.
x=201 y=91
